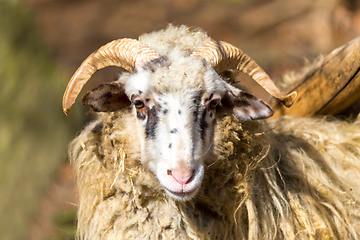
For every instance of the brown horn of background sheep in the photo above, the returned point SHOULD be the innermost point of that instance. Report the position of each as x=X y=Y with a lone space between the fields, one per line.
x=222 y=56
x=125 y=53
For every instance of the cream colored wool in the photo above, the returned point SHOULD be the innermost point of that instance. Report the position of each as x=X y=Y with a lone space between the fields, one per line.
x=173 y=38
x=291 y=179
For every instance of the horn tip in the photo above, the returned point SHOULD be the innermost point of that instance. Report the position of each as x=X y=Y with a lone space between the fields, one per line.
x=67 y=110
x=289 y=99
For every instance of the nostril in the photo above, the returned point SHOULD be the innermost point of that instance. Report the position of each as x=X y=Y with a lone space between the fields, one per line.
x=182 y=175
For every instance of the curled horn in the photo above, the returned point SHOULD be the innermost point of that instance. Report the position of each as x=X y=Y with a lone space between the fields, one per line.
x=125 y=53
x=222 y=56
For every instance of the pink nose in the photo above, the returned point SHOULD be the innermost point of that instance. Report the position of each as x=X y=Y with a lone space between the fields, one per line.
x=182 y=175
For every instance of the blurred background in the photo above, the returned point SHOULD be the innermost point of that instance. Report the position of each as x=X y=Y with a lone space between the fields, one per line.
x=42 y=42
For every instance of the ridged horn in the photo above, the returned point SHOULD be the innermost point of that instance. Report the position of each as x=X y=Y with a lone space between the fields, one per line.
x=125 y=53
x=222 y=56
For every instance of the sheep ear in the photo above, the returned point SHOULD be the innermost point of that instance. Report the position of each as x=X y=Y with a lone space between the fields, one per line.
x=245 y=106
x=106 y=97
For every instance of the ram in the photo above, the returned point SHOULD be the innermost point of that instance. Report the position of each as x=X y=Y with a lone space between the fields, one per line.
x=177 y=152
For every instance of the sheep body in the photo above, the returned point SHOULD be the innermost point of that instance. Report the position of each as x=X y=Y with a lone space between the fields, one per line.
x=300 y=181
x=289 y=178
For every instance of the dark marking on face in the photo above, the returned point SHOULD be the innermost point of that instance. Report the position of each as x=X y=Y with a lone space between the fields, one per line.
x=170 y=145
x=153 y=119
x=179 y=112
x=174 y=130
x=134 y=96
x=196 y=101
x=210 y=97
x=147 y=100
x=203 y=124
x=195 y=113
x=165 y=111
x=141 y=115
x=140 y=92
x=197 y=97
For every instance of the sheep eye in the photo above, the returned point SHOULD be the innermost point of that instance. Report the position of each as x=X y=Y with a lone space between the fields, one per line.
x=213 y=104
x=139 y=104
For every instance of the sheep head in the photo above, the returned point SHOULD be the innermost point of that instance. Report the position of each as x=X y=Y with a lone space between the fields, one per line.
x=176 y=100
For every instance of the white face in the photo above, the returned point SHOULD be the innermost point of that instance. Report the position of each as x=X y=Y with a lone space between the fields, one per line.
x=176 y=132
x=176 y=119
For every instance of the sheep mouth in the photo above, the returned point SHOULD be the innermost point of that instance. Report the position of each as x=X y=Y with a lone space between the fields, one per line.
x=182 y=195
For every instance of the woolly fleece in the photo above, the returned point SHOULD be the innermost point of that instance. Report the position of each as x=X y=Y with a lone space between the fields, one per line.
x=298 y=181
